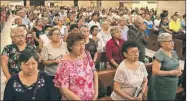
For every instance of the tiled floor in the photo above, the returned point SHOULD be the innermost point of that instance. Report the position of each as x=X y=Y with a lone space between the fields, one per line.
x=5 y=40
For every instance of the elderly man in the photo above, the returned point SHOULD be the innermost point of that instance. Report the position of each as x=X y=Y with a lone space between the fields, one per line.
x=9 y=58
x=137 y=32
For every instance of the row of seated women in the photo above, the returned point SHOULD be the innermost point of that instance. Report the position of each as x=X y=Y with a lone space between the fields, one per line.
x=76 y=77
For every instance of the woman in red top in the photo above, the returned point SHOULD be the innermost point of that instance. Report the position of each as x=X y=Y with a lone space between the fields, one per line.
x=113 y=47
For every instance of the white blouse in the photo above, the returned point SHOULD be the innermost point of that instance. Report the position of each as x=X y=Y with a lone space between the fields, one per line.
x=129 y=79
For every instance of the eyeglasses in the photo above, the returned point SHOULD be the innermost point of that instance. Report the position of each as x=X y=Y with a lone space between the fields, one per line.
x=56 y=34
x=19 y=36
x=170 y=41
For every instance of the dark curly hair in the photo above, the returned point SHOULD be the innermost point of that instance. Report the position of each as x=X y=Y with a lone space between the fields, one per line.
x=72 y=38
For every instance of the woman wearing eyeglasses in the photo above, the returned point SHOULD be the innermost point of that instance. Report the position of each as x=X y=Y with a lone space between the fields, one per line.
x=53 y=51
x=9 y=57
x=130 y=74
x=165 y=71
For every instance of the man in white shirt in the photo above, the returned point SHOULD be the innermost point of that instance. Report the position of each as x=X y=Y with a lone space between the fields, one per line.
x=94 y=21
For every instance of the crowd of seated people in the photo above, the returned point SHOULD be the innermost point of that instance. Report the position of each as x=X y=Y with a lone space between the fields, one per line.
x=67 y=42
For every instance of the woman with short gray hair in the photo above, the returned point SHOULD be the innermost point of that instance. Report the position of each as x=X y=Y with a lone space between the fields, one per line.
x=9 y=58
x=165 y=71
x=113 y=47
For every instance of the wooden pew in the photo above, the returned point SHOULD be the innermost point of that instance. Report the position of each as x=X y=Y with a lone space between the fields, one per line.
x=106 y=78
x=178 y=46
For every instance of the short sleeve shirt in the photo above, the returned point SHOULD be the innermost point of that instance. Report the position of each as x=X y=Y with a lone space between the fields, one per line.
x=13 y=53
x=129 y=79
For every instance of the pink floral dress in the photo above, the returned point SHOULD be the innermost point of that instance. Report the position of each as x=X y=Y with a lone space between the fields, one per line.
x=77 y=76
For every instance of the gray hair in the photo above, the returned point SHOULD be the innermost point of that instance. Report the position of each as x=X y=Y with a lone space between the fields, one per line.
x=114 y=30
x=83 y=26
x=17 y=30
x=137 y=19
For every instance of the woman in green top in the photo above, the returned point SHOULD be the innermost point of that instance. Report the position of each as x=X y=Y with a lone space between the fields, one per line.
x=164 y=80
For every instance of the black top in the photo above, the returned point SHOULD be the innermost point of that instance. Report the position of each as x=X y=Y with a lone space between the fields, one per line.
x=38 y=33
x=13 y=53
x=43 y=89
x=91 y=47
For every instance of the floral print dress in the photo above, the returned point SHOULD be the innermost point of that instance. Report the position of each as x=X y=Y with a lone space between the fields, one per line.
x=77 y=76
x=13 y=53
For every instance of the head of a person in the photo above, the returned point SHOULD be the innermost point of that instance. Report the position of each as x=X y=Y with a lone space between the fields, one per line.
x=18 y=35
x=54 y=34
x=94 y=30
x=84 y=29
x=115 y=32
x=29 y=62
x=130 y=50
x=39 y=22
x=61 y=21
x=174 y=17
x=138 y=21
x=74 y=28
x=47 y=28
x=122 y=21
x=158 y=17
x=147 y=17
x=21 y=13
x=76 y=43
x=45 y=20
x=105 y=25
x=18 y=20
x=165 y=41
x=164 y=20
x=55 y=22
x=80 y=22
x=95 y=16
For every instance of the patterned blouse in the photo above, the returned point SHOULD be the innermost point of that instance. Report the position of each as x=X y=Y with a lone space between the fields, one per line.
x=77 y=76
x=12 y=52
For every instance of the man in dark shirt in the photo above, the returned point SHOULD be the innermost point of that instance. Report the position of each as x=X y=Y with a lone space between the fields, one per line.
x=136 y=32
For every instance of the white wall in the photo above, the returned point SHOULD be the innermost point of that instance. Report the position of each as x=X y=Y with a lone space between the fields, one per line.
x=144 y=4
x=172 y=6
x=4 y=2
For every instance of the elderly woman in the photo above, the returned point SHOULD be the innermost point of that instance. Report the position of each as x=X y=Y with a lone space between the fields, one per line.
x=17 y=21
x=113 y=47
x=9 y=57
x=76 y=76
x=29 y=83
x=165 y=70
x=130 y=74
x=137 y=33
x=61 y=26
x=53 y=51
